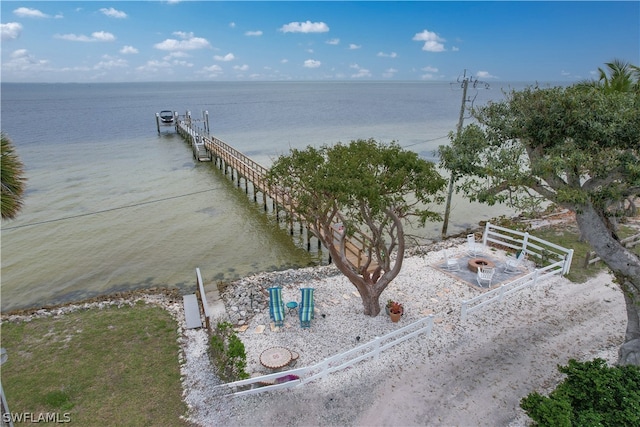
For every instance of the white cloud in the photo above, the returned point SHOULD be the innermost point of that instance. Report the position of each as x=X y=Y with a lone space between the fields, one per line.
x=244 y=67
x=113 y=13
x=211 y=71
x=485 y=75
x=182 y=63
x=10 y=31
x=253 y=33
x=389 y=73
x=362 y=72
x=154 y=66
x=333 y=41
x=25 y=12
x=103 y=36
x=432 y=42
x=184 y=35
x=177 y=54
x=110 y=63
x=22 y=60
x=228 y=57
x=98 y=36
x=354 y=46
x=188 y=42
x=312 y=63
x=128 y=50
x=387 y=55
x=305 y=27
x=232 y=24
x=430 y=69
x=455 y=49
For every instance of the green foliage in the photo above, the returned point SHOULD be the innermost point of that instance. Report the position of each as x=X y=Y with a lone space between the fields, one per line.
x=228 y=353
x=12 y=179
x=593 y=394
x=566 y=145
x=361 y=174
x=370 y=188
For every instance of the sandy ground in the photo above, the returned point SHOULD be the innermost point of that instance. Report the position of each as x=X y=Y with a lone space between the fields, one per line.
x=481 y=378
x=471 y=373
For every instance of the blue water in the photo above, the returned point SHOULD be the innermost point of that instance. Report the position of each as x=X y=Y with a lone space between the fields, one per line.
x=111 y=204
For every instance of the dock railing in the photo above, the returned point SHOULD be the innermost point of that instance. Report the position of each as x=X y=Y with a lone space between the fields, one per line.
x=196 y=131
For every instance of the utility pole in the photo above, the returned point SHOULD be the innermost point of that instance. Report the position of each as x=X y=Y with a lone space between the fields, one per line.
x=453 y=177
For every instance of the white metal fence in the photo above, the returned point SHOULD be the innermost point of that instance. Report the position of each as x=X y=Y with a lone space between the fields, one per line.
x=498 y=294
x=332 y=364
x=537 y=249
x=541 y=250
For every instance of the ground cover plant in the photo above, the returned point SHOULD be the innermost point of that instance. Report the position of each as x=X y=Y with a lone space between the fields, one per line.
x=592 y=394
x=228 y=353
x=110 y=366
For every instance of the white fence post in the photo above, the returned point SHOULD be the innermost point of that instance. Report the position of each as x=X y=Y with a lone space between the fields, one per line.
x=567 y=262
x=376 y=348
x=485 y=234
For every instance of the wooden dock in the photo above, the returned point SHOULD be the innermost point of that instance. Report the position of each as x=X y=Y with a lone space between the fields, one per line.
x=240 y=167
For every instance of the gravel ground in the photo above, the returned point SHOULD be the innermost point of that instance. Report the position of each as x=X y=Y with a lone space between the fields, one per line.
x=471 y=373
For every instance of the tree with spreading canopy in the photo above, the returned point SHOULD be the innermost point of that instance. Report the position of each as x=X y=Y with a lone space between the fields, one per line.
x=577 y=147
x=13 y=180
x=369 y=190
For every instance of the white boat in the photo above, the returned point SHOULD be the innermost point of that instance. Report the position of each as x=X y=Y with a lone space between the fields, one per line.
x=166 y=116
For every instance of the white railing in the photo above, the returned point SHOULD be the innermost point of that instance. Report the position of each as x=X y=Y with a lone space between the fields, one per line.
x=202 y=300
x=335 y=363
x=533 y=246
x=498 y=294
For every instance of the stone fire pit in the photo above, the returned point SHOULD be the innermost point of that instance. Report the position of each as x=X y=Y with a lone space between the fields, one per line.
x=475 y=263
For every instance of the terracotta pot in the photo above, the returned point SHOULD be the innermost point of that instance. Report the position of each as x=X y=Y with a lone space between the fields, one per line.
x=395 y=316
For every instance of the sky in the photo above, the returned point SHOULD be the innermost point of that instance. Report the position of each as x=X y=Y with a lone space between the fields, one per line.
x=139 y=41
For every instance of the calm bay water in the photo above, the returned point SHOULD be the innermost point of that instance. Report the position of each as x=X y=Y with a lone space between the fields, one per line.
x=113 y=205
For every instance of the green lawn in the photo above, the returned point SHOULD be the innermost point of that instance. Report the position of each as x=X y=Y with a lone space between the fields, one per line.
x=111 y=366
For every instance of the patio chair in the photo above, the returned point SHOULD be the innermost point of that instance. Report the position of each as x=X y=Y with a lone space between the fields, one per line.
x=305 y=308
x=451 y=264
x=276 y=306
x=485 y=275
x=474 y=248
x=513 y=263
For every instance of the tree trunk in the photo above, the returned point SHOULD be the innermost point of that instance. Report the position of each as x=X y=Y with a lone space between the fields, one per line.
x=370 y=286
x=625 y=266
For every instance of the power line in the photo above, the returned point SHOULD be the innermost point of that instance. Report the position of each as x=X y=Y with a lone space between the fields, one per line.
x=426 y=140
x=110 y=209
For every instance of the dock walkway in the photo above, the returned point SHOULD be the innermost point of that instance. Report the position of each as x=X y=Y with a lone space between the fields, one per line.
x=241 y=167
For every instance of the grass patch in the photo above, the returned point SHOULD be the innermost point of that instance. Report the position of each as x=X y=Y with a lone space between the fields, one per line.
x=569 y=237
x=111 y=366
